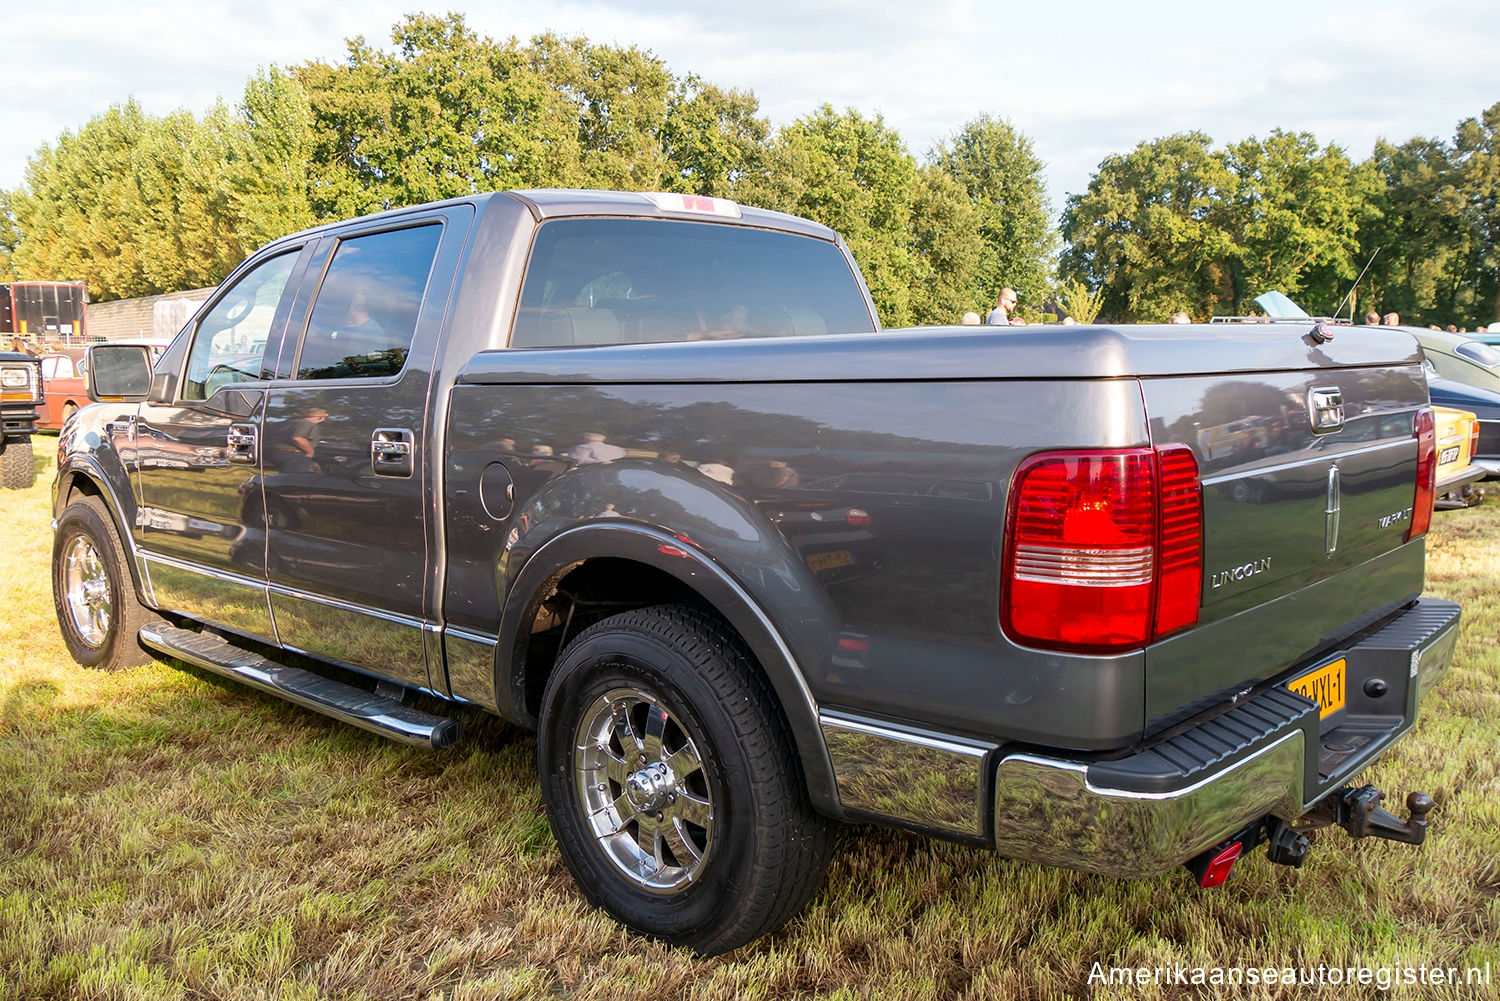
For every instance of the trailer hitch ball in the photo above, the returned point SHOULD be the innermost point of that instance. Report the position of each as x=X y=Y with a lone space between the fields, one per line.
x=1360 y=814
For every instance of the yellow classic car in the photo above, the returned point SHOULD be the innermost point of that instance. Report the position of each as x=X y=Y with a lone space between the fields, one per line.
x=1457 y=435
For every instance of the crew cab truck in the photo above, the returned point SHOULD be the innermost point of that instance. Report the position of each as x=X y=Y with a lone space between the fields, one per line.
x=20 y=403
x=642 y=472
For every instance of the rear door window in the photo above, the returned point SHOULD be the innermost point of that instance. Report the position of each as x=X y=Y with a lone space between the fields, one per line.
x=623 y=281
x=365 y=315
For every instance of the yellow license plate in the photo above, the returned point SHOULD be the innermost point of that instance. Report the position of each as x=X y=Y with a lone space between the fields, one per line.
x=830 y=561
x=1325 y=686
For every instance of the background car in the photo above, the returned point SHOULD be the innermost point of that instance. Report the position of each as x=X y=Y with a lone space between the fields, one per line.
x=1484 y=404
x=1460 y=357
x=63 y=387
x=1457 y=437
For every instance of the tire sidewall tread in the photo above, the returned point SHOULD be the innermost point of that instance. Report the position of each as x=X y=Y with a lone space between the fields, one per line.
x=770 y=848
x=120 y=648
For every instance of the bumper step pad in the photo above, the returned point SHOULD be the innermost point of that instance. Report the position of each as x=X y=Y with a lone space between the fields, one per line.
x=366 y=710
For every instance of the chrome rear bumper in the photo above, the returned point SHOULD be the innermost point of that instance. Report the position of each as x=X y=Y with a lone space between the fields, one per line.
x=1149 y=812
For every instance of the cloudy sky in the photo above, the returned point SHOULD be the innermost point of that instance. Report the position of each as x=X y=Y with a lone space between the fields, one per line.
x=1083 y=78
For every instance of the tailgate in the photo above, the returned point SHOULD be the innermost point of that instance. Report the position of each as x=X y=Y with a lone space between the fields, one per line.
x=1304 y=530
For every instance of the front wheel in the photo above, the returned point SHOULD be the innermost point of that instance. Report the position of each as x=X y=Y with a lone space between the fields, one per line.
x=17 y=469
x=97 y=610
x=672 y=783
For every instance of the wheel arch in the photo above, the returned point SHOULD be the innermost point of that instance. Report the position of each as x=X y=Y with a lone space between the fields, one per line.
x=669 y=568
x=83 y=477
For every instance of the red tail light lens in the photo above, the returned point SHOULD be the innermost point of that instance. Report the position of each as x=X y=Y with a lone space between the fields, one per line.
x=1180 y=559
x=1424 y=429
x=1104 y=551
x=1473 y=438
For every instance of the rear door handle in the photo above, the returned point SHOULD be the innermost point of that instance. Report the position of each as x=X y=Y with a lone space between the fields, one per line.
x=240 y=446
x=392 y=452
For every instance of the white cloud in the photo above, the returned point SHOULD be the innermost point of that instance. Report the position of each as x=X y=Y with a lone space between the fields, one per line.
x=1081 y=79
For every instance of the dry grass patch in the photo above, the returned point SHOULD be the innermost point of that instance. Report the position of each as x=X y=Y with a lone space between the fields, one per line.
x=166 y=834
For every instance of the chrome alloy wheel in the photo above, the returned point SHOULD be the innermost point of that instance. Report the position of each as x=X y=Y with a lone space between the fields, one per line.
x=644 y=790
x=86 y=590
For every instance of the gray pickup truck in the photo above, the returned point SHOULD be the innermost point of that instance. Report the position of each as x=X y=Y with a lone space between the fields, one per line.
x=643 y=473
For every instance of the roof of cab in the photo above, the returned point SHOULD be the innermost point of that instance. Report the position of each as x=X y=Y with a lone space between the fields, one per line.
x=554 y=203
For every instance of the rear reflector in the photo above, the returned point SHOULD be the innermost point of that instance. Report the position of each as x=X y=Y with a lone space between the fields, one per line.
x=1104 y=551
x=1219 y=867
x=1424 y=429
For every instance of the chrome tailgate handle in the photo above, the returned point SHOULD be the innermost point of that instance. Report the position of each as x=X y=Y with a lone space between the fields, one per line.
x=391 y=452
x=240 y=446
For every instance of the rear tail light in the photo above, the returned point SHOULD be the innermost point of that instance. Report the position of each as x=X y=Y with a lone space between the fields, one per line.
x=1473 y=438
x=1424 y=429
x=1104 y=551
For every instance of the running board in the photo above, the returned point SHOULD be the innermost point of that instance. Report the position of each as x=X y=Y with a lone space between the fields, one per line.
x=366 y=710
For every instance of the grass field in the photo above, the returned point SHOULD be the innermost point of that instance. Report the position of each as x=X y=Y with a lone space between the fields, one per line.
x=166 y=834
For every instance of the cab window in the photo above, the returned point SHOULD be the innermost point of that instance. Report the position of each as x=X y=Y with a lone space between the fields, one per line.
x=365 y=316
x=623 y=281
x=231 y=338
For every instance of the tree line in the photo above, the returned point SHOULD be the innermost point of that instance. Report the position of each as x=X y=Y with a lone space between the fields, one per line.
x=136 y=204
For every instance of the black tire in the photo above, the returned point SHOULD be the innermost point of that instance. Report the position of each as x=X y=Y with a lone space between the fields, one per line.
x=17 y=470
x=761 y=850
x=92 y=592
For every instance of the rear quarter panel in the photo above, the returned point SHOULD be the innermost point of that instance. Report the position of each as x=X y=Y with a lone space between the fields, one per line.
x=865 y=518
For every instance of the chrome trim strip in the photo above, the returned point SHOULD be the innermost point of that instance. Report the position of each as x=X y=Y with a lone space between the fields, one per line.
x=206 y=594
x=1047 y=811
x=1241 y=473
x=282 y=591
x=908 y=775
x=471 y=667
x=203 y=571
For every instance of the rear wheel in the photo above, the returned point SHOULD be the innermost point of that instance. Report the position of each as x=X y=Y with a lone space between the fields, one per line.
x=672 y=783
x=17 y=470
x=91 y=588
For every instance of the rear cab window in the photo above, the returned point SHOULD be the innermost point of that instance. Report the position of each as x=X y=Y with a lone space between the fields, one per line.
x=631 y=281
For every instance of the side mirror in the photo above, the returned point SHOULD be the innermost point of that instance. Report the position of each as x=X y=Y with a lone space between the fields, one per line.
x=119 y=373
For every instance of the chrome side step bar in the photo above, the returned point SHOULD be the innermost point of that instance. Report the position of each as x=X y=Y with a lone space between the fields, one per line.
x=366 y=710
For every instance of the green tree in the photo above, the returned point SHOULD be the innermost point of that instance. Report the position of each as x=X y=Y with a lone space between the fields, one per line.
x=1148 y=233
x=1294 y=215
x=1175 y=224
x=711 y=137
x=1420 y=234
x=1477 y=162
x=268 y=180
x=853 y=174
x=998 y=167
x=949 y=250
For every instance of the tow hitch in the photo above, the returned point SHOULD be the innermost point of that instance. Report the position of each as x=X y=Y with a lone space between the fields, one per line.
x=1358 y=812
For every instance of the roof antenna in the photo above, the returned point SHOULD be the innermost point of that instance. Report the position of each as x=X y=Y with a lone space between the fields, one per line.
x=1350 y=297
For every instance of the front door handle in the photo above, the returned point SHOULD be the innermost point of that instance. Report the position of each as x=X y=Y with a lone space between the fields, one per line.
x=392 y=452
x=241 y=447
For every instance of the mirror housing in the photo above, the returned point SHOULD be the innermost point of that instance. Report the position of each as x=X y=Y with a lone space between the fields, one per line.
x=163 y=388
x=119 y=373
